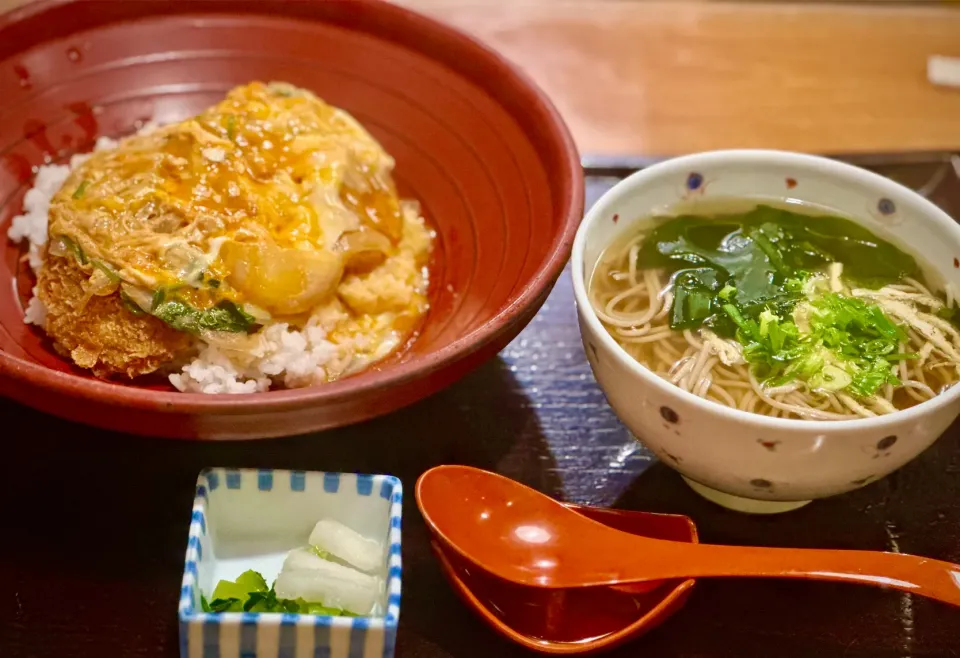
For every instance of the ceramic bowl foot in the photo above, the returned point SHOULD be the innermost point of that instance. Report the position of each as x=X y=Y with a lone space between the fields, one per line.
x=747 y=505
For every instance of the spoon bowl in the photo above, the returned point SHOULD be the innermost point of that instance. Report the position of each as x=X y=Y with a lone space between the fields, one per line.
x=580 y=620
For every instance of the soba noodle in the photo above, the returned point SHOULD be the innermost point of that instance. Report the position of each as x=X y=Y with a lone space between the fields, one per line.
x=634 y=304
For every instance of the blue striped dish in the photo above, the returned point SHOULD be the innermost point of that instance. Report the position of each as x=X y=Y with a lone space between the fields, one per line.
x=248 y=519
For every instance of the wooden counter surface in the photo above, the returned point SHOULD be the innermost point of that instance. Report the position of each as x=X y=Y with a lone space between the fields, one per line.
x=638 y=77
x=664 y=77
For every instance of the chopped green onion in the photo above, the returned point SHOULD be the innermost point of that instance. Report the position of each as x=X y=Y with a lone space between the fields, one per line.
x=831 y=378
x=106 y=269
x=850 y=345
x=766 y=319
x=75 y=248
x=158 y=298
x=81 y=188
x=777 y=335
x=131 y=305
x=735 y=315
x=901 y=356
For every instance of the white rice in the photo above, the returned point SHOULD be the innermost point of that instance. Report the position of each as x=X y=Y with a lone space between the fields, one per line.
x=32 y=224
x=295 y=358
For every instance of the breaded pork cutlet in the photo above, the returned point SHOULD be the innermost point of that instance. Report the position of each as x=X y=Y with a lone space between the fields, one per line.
x=99 y=332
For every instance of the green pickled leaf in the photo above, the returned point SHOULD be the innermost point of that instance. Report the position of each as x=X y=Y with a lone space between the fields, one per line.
x=262 y=602
x=228 y=589
x=253 y=580
x=249 y=593
x=226 y=605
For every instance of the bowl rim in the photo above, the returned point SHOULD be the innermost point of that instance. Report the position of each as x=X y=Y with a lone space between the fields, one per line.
x=759 y=157
x=418 y=30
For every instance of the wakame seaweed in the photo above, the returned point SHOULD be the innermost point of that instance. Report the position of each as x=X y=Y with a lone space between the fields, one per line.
x=760 y=254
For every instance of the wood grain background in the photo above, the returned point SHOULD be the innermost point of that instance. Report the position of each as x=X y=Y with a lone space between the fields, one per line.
x=668 y=77
x=664 y=77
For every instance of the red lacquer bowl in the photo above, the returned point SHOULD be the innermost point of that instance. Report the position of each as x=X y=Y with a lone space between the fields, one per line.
x=475 y=141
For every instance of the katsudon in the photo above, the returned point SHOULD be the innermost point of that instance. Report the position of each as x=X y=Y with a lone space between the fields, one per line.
x=262 y=243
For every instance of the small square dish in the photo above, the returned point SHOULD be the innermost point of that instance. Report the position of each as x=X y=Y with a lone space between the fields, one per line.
x=251 y=520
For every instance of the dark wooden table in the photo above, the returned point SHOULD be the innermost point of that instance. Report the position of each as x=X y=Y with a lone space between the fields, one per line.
x=94 y=525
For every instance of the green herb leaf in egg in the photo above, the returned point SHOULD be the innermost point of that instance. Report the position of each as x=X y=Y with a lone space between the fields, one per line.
x=107 y=270
x=225 y=316
x=77 y=250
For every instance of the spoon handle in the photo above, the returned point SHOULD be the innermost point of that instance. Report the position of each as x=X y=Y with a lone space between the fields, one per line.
x=931 y=578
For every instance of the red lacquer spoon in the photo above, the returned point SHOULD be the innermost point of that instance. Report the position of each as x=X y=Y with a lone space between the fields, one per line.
x=522 y=536
x=579 y=620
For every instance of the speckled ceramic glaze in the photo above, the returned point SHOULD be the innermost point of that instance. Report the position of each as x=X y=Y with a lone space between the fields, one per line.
x=733 y=457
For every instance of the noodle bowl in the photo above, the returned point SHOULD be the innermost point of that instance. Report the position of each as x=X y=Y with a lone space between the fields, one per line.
x=770 y=357
x=634 y=303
